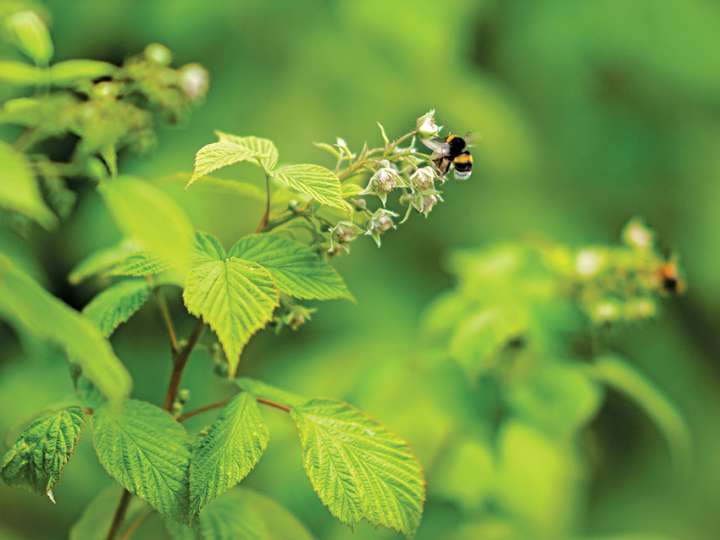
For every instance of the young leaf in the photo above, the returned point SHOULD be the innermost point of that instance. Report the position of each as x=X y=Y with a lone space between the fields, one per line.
x=124 y=259
x=69 y=72
x=358 y=468
x=320 y=183
x=621 y=376
x=214 y=156
x=152 y=219
x=95 y=521
x=263 y=150
x=117 y=304
x=242 y=514
x=38 y=457
x=228 y=452
x=235 y=297
x=20 y=74
x=296 y=269
x=31 y=36
x=145 y=449
x=19 y=190
x=47 y=317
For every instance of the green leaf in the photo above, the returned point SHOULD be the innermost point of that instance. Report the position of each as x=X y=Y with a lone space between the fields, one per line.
x=235 y=297
x=124 y=259
x=117 y=304
x=145 y=449
x=47 y=317
x=228 y=452
x=618 y=374
x=69 y=72
x=95 y=521
x=152 y=219
x=214 y=156
x=31 y=35
x=19 y=189
x=38 y=457
x=318 y=182
x=20 y=74
x=242 y=514
x=358 y=468
x=261 y=389
x=263 y=150
x=296 y=269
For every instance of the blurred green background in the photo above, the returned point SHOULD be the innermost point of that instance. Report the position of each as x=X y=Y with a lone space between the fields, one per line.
x=586 y=113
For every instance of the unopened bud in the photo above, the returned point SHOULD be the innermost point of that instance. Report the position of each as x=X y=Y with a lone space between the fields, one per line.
x=158 y=54
x=194 y=81
x=637 y=235
x=344 y=232
x=426 y=125
x=423 y=179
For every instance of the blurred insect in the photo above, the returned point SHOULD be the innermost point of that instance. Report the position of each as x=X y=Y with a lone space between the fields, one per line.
x=451 y=152
x=670 y=279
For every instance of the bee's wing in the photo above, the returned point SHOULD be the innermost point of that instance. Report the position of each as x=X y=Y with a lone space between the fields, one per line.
x=438 y=146
x=471 y=138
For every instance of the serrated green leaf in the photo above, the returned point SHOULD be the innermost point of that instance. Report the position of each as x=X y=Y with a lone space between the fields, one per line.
x=97 y=517
x=318 y=182
x=20 y=74
x=31 y=35
x=358 y=468
x=214 y=156
x=38 y=457
x=618 y=374
x=235 y=297
x=26 y=302
x=123 y=259
x=296 y=269
x=116 y=304
x=242 y=514
x=19 y=189
x=152 y=219
x=263 y=150
x=70 y=72
x=145 y=449
x=228 y=452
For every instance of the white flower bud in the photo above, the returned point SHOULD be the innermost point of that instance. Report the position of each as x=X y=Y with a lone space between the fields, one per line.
x=605 y=311
x=158 y=54
x=637 y=235
x=426 y=125
x=589 y=262
x=425 y=203
x=423 y=179
x=345 y=231
x=194 y=81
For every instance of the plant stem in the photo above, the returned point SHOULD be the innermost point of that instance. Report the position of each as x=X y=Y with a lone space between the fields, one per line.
x=135 y=524
x=266 y=215
x=180 y=359
x=219 y=404
x=165 y=312
x=119 y=516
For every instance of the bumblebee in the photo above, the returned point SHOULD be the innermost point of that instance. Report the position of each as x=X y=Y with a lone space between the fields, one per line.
x=451 y=152
x=670 y=279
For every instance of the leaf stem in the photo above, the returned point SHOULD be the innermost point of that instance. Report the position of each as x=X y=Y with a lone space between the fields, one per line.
x=179 y=362
x=135 y=525
x=165 y=312
x=222 y=403
x=266 y=215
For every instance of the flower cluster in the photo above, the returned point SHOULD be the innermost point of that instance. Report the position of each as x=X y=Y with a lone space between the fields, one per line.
x=623 y=283
x=377 y=178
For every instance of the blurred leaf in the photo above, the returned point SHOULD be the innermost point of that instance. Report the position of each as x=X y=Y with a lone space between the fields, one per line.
x=69 y=72
x=558 y=398
x=38 y=457
x=618 y=374
x=243 y=514
x=465 y=474
x=152 y=219
x=296 y=269
x=95 y=521
x=20 y=74
x=235 y=297
x=145 y=449
x=19 y=190
x=123 y=259
x=358 y=468
x=320 y=183
x=263 y=150
x=116 y=304
x=31 y=36
x=228 y=452
x=44 y=315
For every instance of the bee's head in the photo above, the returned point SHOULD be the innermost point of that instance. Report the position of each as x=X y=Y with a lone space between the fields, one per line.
x=456 y=144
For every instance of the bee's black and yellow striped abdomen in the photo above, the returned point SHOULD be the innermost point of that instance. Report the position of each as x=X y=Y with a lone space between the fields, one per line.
x=463 y=162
